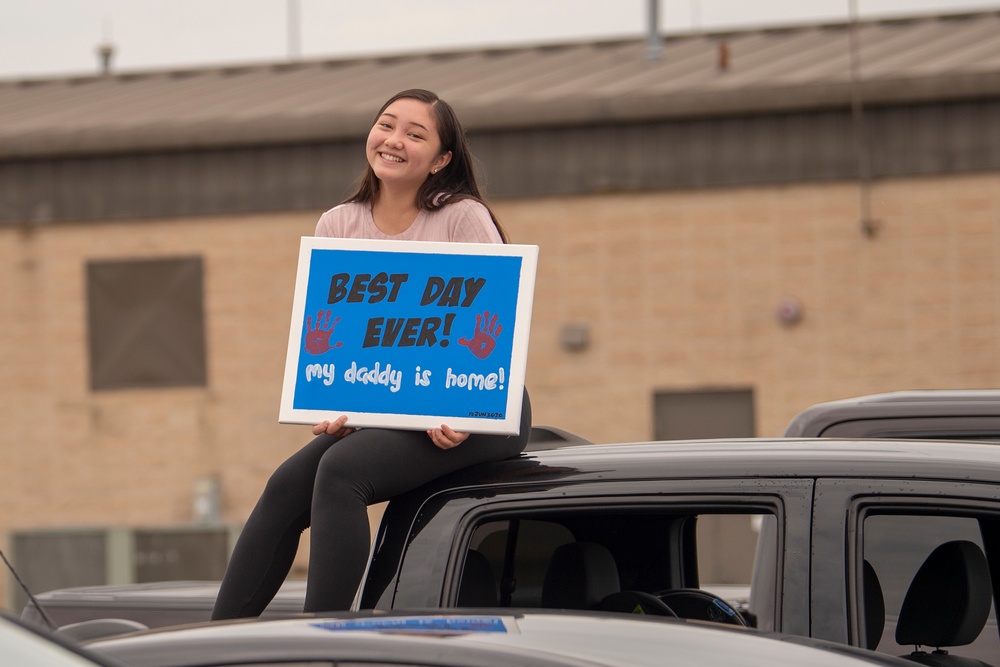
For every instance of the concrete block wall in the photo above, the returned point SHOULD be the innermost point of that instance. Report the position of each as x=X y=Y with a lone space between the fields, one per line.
x=678 y=290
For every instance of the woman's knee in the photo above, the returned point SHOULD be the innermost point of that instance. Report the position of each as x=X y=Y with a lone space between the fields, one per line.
x=285 y=482
x=343 y=469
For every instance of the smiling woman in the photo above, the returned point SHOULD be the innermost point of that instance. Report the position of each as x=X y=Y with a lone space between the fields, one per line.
x=419 y=186
x=403 y=148
x=419 y=163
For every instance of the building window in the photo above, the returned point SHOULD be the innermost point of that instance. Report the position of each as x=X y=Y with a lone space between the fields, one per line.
x=146 y=323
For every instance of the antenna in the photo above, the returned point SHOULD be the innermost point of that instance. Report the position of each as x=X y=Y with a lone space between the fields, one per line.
x=24 y=587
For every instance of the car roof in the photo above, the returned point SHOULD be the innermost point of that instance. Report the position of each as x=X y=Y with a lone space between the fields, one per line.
x=972 y=411
x=740 y=458
x=479 y=637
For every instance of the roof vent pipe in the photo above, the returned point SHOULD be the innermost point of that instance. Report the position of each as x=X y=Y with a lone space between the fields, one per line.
x=654 y=44
x=105 y=51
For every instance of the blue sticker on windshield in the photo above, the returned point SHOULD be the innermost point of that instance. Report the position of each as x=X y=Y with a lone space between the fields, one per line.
x=724 y=607
x=429 y=624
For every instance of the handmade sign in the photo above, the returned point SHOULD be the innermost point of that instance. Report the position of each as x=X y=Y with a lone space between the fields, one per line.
x=409 y=335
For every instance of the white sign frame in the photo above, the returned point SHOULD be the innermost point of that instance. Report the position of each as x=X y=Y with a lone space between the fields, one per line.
x=418 y=253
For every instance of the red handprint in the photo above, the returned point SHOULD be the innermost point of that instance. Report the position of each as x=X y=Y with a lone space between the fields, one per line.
x=485 y=337
x=318 y=337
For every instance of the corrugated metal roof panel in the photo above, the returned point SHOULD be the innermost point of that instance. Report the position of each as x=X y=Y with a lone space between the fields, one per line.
x=800 y=67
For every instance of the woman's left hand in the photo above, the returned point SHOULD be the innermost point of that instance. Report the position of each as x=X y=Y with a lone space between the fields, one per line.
x=446 y=438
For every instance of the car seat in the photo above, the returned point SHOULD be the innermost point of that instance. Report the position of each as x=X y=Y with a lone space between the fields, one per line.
x=584 y=575
x=874 y=606
x=947 y=604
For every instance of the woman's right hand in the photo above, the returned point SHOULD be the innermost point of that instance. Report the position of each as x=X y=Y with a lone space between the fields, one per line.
x=335 y=427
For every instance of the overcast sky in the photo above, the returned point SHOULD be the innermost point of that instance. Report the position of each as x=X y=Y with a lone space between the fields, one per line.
x=42 y=38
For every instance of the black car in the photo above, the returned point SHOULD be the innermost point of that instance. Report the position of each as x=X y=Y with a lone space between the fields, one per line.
x=867 y=542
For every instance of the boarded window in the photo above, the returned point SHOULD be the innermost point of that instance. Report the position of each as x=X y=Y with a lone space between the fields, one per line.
x=146 y=323
x=682 y=415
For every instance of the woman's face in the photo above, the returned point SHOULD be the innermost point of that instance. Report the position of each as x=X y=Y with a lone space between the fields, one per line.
x=403 y=145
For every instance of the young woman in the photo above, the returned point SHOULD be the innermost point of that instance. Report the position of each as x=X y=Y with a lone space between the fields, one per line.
x=419 y=185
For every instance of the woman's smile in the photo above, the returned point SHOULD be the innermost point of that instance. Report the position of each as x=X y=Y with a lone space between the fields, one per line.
x=390 y=157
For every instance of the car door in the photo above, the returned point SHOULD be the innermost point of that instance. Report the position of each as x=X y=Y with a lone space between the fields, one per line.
x=884 y=530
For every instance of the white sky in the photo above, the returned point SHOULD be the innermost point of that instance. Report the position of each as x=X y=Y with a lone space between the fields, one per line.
x=42 y=38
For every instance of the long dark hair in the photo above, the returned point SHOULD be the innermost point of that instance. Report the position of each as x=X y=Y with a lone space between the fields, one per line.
x=457 y=181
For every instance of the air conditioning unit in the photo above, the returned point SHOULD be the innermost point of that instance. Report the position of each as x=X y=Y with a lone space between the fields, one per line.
x=47 y=559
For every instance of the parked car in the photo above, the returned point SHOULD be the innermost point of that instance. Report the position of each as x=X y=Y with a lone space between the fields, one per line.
x=846 y=527
x=955 y=414
x=862 y=541
x=26 y=645
x=476 y=639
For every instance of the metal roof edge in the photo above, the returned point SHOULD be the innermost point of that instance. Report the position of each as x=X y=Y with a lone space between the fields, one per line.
x=287 y=128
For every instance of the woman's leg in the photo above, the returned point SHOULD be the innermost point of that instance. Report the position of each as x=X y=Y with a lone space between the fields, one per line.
x=266 y=548
x=369 y=466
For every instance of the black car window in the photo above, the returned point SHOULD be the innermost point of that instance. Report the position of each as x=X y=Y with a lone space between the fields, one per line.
x=896 y=545
x=643 y=550
x=533 y=546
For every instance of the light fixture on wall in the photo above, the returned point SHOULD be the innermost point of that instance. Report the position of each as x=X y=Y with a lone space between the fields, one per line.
x=789 y=311
x=207 y=500
x=574 y=337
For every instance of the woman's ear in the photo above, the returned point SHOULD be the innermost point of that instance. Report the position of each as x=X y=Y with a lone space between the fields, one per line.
x=441 y=162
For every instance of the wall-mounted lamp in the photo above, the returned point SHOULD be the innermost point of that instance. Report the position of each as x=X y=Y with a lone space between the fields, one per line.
x=574 y=337
x=207 y=500
x=789 y=311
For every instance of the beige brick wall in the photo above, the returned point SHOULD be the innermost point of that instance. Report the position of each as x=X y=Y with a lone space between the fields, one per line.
x=679 y=290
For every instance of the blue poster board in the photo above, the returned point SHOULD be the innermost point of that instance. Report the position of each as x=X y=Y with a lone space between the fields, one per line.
x=410 y=335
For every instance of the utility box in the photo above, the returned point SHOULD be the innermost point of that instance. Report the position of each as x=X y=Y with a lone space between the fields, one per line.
x=63 y=558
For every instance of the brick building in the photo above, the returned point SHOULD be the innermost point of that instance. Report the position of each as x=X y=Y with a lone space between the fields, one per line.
x=729 y=233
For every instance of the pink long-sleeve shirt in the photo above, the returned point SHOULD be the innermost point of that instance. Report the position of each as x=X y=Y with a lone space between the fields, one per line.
x=464 y=221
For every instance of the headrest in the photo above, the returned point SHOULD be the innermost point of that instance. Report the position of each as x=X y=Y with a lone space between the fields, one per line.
x=949 y=598
x=874 y=606
x=479 y=582
x=580 y=574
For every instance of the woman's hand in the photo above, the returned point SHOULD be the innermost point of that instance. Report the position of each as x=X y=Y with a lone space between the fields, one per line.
x=446 y=438
x=335 y=427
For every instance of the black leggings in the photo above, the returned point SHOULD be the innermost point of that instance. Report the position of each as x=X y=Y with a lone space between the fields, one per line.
x=329 y=484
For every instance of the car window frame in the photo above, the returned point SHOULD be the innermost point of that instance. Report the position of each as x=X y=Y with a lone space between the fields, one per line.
x=457 y=512
x=842 y=505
